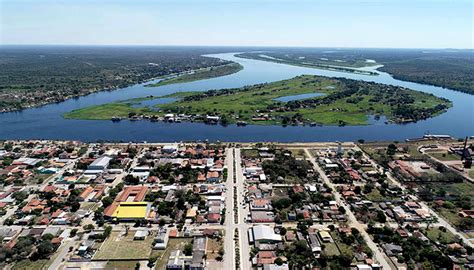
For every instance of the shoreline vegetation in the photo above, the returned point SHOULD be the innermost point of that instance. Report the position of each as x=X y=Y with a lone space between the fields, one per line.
x=200 y=74
x=333 y=66
x=37 y=76
x=344 y=102
x=451 y=69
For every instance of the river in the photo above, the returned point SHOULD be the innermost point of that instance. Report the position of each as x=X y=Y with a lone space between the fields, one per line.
x=46 y=122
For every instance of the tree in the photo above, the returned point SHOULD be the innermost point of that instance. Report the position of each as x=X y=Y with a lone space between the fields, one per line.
x=278 y=261
x=162 y=222
x=106 y=201
x=381 y=217
x=131 y=180
x=88 y=227
x=391 y=149
x=151 y=261
x=44 y=250
x=188 y=249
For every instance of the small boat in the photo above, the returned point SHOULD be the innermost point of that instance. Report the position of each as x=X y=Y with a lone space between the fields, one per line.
x=116 y=119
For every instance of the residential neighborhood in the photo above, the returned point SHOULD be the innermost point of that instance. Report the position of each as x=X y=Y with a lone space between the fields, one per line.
x=74 y=205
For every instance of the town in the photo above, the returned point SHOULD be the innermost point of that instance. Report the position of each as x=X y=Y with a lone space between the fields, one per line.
x=272 y=206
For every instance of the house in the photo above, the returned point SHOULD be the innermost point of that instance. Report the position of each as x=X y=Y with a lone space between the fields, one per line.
x=325 y=236
x=140 y=235
x=212 y=177
x=199 y=250
x=275 y=267
x=176 y=260
x=260 y=205
x=392 y=249
x=314 y=243
x=214 y=218
x=265 y=257
x=92 y=194
x=262 y=216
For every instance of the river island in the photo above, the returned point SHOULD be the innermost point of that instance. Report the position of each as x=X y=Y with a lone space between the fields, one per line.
x=303 y=100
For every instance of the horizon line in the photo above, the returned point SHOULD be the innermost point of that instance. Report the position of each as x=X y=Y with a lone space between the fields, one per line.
x=239 y=46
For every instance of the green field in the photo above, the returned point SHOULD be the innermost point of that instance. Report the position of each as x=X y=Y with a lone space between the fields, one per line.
x=471 y=173
x=201 y=74
x=31 y=265
x=349 y=67
x=444 y=156
x=118 y=247
x=436 y=235
x=333 y=108
x=345 y=102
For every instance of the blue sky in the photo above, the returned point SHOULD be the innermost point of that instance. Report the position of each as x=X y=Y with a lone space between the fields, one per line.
x=307 y=23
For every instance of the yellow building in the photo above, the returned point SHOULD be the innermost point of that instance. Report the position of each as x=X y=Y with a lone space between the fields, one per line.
x=131 y=211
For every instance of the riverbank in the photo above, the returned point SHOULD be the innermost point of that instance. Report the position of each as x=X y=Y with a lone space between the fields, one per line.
x=200 y=74
x=336 y=102
x=341 y=68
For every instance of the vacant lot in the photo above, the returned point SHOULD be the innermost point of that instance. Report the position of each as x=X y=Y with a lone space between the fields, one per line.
x=444 y=156
x=31 y=265
x=213 y=247
x=118 y=247
x=442 y=236
x=121 y=265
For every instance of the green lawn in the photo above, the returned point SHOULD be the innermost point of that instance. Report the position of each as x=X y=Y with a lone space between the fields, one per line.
x=471 y=173
x=375 y=196
x=201 y=74
x=249 y=153
x=105 y=111
x=330 y=249
x=31 y=265
x=436 y=235
x=444 y=156
x=121 y=265
x=117 y=247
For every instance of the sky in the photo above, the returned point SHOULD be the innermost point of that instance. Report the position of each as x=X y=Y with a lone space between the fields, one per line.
x=300 y=23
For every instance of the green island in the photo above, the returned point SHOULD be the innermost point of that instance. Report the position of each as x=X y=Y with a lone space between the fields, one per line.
x=200 y=74
x=348 y=67
x=339 y=102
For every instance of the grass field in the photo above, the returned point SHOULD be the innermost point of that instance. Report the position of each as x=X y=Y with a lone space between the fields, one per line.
x=201 y=74
x=121 y=265
x=105 y=111
x=471 y=173
x=436 y=235
x=444 y=156
x=31 y=265
x=117 y=247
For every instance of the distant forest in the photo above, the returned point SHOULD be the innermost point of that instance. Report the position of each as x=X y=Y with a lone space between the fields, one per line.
x=36 y=75
x=450 y=68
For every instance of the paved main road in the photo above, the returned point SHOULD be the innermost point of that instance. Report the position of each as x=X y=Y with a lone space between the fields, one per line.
x=242 y=214
x=379 y=256
x=229 y=249
x=230 y=224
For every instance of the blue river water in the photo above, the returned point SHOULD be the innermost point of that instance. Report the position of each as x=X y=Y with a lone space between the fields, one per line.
x=46 y=122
